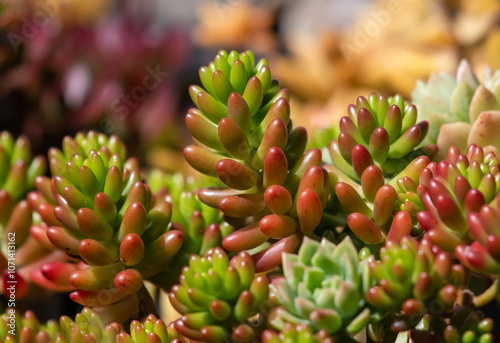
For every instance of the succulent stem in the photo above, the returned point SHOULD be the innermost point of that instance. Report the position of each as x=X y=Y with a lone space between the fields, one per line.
x=488 y=295
x=147 y=306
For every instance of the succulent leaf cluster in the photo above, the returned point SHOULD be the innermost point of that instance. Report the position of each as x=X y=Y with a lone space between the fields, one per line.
x=323 y=286
x=87 y=327
x=378 y=131
x=18 y=170
x=482 y=255
x=372 y=204
x=202 y=226
x=410 y=279
x=218 y=297
x=450 y=190
x=97 y=209
x=296 y=333
x=274 y=191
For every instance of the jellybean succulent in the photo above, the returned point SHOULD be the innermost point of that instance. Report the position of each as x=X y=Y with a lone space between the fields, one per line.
x=372 y=204
x=411 y=280
x=202 y=226
x=87 y=327
x=18 y=170
x=323 y=286
x=97 y=209
x=274 y=191
x=452 y=189
x=381 y=131
x=218 y=297
x=296 y=333
x=482 y=256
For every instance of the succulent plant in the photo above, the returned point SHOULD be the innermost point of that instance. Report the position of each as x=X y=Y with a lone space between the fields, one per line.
x=26 y=328
x=461 y=111
x=409 y=249
x=87 y=327
x=452 y=189
x=296 y=333
x=18 y=171
x=202 y=226
x=378 y=131
x=372 y=205
x=377 y=145
x=274 y=190
x=97 y=209
x=323 y=286
x=218 y=297
x=482 y=256
x=153 y=330
x=412 y=280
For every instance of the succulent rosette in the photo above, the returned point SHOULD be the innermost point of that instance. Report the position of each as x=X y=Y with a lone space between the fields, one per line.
x=274 y=191
x=323 y=286
x=410 y=279
x=87 y=327
x=461 y=110
x=18 y=170
x=378 y=131
x=97 y=209
x=218 y=297
x=450 y=190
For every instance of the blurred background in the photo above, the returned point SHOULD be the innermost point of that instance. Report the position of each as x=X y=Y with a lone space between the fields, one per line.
x=124 y=67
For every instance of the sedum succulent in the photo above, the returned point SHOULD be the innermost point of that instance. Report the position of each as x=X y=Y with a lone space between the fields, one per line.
x=26 y=328
x=411 y=280
x=18 y=170
x=202 y=226
x=452 y=189
x=88 y=327
x=461 y=110
x=296 y=333
x=378 y=144
x=153 y=330
x=372 y=204
x=323 y=286
x=482 y=256
x=97 y=209
x=274 y=191
x=378 y=131
x=218 y=297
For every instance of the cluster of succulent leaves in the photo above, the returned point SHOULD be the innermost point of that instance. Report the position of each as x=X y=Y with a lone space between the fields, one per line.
x=355 y=235
x=88 y=327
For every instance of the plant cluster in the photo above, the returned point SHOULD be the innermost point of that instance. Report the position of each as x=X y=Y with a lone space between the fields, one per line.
x=360 y=234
